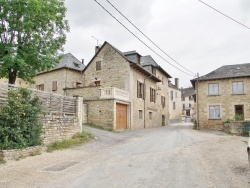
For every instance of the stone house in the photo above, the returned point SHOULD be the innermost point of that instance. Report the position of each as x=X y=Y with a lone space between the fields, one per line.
x=187 y=100
x=221 y=94
x=175 y=106
x=124 y=90
x=68 y=73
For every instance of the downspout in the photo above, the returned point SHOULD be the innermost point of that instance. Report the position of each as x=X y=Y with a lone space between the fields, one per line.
x=145 y=99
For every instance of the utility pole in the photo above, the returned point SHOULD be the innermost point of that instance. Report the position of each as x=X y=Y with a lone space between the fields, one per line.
x=197 y=100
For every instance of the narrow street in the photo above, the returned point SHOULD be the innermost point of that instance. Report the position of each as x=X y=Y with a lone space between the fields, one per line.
x=171 y=156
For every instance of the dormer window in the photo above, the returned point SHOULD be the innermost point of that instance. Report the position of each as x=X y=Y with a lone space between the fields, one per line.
x=76 y=65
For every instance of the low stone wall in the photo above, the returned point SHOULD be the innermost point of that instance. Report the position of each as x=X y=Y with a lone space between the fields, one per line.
x=57 y=129
x=235 y=127
x=16 y=154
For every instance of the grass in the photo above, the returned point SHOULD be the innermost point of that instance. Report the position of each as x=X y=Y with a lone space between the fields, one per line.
x=34 y=153
x=76 y=140
x=2 y=161
x=99 y=127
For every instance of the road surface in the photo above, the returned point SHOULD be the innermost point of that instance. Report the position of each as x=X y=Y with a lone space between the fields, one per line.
x=171 y=156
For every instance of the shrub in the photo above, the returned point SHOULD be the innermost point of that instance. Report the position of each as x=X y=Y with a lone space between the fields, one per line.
x=229 y=120
x=195 y=125
x=19 y=120
x=238 y=117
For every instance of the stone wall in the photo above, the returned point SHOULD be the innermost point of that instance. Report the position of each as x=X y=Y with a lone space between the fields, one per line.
x=237 y=127
x=57 y=129
x=16 y=154
x=226 y=100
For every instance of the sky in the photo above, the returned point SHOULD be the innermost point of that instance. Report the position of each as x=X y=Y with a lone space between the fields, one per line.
x=194 y=35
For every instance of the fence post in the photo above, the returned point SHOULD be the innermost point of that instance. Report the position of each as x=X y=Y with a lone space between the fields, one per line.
x=79 y=108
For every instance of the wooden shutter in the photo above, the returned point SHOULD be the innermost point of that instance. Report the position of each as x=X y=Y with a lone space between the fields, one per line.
x=144 y=91
x=54 y=85
x=42 y=87
x=138 y=89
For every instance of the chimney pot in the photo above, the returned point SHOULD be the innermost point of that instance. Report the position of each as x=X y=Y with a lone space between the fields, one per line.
x=177 y=83
x=83 y=61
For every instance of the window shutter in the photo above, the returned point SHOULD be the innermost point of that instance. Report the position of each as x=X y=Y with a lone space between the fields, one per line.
x=138 y=89
x=54 y=85
x=144 y=91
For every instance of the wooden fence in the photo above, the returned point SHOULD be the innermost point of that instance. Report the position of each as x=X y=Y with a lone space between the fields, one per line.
x=53 y=104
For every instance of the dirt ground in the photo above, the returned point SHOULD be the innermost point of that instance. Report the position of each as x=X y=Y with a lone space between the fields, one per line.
x=171 y=156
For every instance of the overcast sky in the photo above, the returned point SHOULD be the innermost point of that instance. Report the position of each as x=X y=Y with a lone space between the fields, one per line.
x=196 y=36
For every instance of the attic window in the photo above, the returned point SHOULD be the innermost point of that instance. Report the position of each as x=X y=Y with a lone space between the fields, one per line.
x=238 y=68
x=76 y=65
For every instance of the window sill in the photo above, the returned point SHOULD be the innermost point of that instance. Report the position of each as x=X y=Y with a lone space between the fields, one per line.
x=238 y=94
x=214 y=118
x=213 y=95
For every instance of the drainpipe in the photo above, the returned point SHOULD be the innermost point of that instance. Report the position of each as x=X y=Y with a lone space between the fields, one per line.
x=145 y=99
x=197 y=101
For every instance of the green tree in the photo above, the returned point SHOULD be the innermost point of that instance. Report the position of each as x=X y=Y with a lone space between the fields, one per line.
x=32 y=33
x=20 y=125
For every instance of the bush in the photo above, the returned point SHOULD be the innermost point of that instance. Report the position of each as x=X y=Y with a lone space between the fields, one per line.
x=195 y=125
x=19 y=120
x=238 y=117
x=229 y=120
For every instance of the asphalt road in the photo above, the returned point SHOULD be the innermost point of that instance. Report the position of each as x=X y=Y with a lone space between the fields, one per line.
x=171 y=156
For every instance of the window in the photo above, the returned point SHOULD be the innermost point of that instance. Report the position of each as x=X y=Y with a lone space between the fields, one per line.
x=152 y=95
x=140 y=114
x=214 y=112
x=213 y=89
x=98 y=65
x=163 y=101
x=54 y=85
x=238 y=87
x=173 y=105
x=189 y=105
x=183 y=106
x=171 y=95
x=183 y=98
x=175 y=94
x=40 y=87
x=190 y=98
x=150 y=115
x=140 y=90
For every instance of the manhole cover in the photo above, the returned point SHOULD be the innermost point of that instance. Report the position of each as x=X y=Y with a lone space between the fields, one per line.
x=60 y=166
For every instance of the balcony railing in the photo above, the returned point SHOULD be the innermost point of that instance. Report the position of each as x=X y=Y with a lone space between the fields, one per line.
x=114 y=93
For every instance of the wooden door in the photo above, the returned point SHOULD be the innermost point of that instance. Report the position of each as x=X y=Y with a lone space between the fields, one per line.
x=121 y=116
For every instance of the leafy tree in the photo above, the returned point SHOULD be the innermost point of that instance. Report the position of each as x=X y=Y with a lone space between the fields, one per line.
x=32 y=33
x=20 y=125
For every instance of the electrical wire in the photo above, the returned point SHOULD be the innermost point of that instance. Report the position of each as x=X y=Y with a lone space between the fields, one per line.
x=140 y=39
x=148 y=37
x=224 y=14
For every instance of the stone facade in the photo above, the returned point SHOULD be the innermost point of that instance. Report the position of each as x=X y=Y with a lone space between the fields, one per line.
x=225 y=99
x=175 y=105
x=65 y=78
x=110 y=69
x=187 y=99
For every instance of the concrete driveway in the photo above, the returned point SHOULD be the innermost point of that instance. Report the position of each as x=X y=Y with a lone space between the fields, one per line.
x=171 y=156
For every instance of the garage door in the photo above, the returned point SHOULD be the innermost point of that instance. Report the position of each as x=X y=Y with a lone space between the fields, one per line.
x=121 y=116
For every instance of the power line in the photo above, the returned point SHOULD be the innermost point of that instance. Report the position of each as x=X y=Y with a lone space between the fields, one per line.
x=148 y=37
x=140 y=39
x=224 y=14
